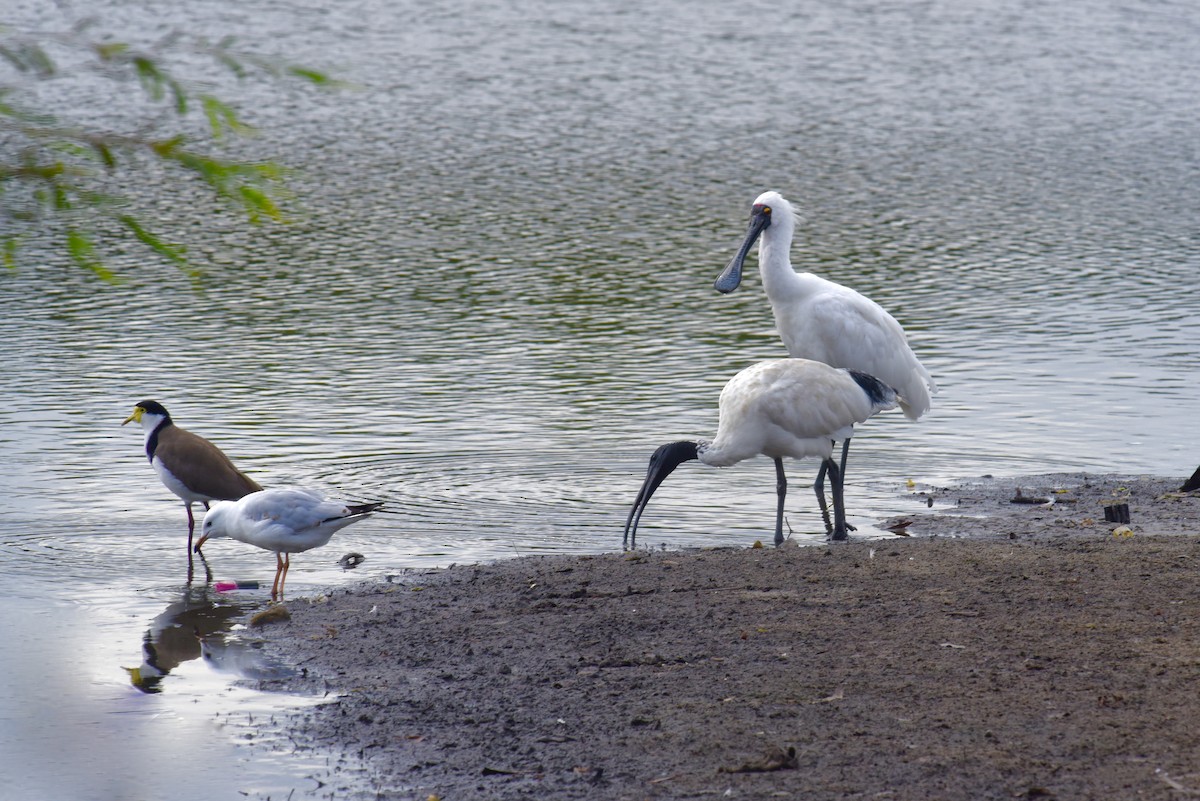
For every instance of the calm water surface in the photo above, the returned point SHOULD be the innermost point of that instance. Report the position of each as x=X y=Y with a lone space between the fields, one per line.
x=495 y=301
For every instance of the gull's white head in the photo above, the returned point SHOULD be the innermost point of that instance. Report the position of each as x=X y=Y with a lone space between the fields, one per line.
x=216 y=522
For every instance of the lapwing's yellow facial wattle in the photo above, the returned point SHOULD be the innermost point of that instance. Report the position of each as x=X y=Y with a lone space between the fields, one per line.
x=136 y=417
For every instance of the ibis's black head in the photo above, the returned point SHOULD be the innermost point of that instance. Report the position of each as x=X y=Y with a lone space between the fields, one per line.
x=879 y=393
x=662 y=464
x=760 y=220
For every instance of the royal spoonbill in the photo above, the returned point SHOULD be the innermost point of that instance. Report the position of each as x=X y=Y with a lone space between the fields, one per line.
x=778 y=408
x=285 y=521
x=825 y=321
x=187 y=464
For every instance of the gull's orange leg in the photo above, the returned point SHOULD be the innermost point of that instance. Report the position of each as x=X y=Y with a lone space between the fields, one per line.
x=278 y=569
x=287 y=564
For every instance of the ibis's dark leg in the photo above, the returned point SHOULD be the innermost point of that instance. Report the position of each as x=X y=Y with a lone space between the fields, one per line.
x=842 y=477
x=839 y=503
x=781 y=491
x=845 y=453
x=819 y=489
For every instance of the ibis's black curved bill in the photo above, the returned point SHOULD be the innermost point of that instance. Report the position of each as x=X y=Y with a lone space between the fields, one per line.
x=731 y=277
x=662 y=463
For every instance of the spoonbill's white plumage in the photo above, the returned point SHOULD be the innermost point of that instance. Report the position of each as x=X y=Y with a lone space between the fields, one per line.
x=285 y=521
x=825 y=321
x=779 y=408
x=187 y=464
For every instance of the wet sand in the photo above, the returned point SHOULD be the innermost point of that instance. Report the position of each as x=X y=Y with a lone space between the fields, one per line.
x=1002 y=650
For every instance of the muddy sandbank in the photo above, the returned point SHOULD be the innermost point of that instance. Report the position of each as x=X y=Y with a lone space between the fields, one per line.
x=1002 y=650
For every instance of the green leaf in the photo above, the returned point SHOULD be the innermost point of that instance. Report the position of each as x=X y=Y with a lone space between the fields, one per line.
x=28 y=57
x=268 y=171
x=68 y=176
x=168 y=148
x=108 y=52
x=104 y=202
x=62 y=198
x=82 y=251
x=310 y=75
x=45 y=172
x=222 y=54
x=257 y=202
x=214 y=172
x=8 y=251
x=18 y=113
x=150 y=75
x=12 y=57
x=106 y=154
x=173 y=253
x=222 y=117
x=180 y=95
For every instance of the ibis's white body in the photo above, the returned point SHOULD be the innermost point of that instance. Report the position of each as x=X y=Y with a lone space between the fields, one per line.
x=827 y=322
x=780 y=408
x=787 y=408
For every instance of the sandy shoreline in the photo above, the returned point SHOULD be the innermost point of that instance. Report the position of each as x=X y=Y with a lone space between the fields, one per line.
x=1005 y=650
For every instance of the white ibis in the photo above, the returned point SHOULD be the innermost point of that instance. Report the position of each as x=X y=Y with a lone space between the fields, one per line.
x=825 y=321
x=187 y=464
x=285 y=521
x=1192 y=483
x=778 y=408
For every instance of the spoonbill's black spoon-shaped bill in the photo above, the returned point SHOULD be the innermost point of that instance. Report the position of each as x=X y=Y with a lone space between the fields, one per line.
x=187 y=464
x=780 y=408
x=825 y=321
x=285 y=521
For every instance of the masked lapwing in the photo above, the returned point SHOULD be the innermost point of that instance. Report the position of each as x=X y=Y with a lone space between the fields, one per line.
x=188 y=465
x=285 y=521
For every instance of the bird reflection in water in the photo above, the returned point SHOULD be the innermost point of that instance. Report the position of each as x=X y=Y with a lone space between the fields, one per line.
x=193 y=627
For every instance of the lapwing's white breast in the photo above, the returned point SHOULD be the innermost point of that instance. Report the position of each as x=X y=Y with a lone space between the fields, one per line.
x=174 y=484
